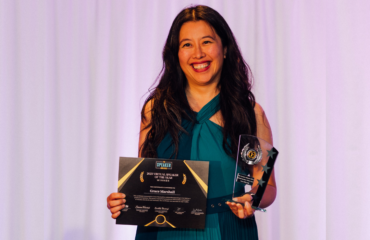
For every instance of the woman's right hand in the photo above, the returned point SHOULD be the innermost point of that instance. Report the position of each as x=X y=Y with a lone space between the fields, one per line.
x=116 y=202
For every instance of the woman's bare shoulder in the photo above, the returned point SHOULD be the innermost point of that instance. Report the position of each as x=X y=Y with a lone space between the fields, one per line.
x=147 y=116
x=263 y=125
x=258 y=109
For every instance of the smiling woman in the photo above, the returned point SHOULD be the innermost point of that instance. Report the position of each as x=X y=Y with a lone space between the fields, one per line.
x=201 y=53
x=203 y=102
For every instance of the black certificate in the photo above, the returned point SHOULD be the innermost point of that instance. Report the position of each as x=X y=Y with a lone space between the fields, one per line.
x=163 y=192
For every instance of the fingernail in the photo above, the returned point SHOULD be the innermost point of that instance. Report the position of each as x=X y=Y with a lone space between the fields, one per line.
x=123 y=195
x=235 y=199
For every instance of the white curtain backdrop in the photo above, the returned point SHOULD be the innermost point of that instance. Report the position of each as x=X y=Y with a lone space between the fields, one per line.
x=73 y=78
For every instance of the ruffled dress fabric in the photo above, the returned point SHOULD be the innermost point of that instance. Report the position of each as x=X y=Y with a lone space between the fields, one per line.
x=204 y=142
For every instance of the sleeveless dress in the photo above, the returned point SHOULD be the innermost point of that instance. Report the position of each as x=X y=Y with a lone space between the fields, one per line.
x=204 y=142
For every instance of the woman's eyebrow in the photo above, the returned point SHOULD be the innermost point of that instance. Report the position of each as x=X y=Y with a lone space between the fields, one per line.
x=187 y=39
x=208 y=36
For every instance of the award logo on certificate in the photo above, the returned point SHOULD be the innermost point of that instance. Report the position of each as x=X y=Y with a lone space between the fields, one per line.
x=254 y=151
x=163 y=192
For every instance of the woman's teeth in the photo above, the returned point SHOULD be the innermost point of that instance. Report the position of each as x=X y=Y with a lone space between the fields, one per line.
x=200 y=66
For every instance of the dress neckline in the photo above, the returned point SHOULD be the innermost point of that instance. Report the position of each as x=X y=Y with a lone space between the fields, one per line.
x=208 y=110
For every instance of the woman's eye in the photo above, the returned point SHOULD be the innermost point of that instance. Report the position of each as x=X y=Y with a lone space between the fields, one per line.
x=206 y=42
x=186 y=45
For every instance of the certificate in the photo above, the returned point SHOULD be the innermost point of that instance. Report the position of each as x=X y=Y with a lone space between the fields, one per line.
x=163 y=192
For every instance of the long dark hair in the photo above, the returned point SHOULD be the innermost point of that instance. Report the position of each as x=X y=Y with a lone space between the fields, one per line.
x=169 y=102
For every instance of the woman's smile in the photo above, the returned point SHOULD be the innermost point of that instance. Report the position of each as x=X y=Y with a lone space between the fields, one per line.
x=202 y=66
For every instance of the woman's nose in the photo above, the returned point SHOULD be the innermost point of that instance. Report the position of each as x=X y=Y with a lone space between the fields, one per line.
x=198 y=52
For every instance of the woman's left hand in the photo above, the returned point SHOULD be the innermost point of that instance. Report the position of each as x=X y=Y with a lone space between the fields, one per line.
x=238 y=209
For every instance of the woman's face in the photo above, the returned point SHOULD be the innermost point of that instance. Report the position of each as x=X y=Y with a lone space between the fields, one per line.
x=200 y=53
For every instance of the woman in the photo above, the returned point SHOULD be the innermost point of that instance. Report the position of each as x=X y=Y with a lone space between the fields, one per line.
x=201 y=105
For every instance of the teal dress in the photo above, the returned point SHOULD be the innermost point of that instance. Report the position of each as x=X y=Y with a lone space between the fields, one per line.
x=205 y=143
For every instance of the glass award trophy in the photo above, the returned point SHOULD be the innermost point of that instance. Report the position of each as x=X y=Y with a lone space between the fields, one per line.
x=253 y=152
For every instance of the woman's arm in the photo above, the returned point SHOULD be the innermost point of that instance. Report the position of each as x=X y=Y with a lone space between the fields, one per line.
x=144 y=123
x=264 y=132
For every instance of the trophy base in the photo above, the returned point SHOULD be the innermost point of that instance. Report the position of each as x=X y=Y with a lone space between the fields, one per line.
x=255 y=208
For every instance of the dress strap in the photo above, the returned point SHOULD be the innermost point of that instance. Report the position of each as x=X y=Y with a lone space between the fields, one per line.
x=209 y=109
